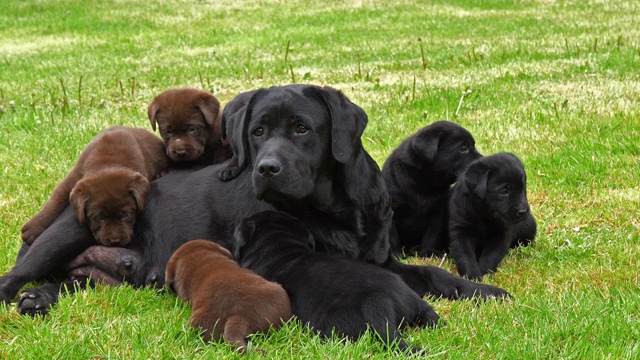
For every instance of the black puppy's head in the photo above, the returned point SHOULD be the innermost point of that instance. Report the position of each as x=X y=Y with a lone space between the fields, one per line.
x=267 y=228
x=445 y=148
x=499 y=182
x=294 y=135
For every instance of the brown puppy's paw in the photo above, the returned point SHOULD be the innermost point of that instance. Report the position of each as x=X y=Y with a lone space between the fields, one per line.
x=30 y=232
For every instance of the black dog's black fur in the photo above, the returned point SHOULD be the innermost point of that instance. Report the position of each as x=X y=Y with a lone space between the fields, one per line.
x=419 y=174
x=303 y=156
x=489 y=199
x=329 y=293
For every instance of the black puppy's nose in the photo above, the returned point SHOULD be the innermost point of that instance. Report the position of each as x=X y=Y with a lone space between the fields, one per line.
x=523 y=212
x=269 y=167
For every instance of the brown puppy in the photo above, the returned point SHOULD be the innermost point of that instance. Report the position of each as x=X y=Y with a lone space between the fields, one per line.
x=107 y=187
x=225 y=298
x=189 y=122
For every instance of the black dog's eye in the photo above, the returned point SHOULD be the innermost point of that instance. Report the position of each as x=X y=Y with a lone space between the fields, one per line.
x=191 y=129
x=504 y=192
x=258 y=132
x=301 y=129
x=464 y=149
x=124 y=215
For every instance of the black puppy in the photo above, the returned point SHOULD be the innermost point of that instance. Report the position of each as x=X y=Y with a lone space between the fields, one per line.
x=329 y=293
x=489 y=199
x=419 y=174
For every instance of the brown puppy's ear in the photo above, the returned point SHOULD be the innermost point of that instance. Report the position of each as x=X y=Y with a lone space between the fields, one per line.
x=426 y=144
x=139 y=188
x=78 y=199
x=152 y=111
x=476 y=178
x=348 y=121
x=210 y=108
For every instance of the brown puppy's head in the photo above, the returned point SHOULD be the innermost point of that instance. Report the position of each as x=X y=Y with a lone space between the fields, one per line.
x=188 y=120
x=109 y=201
x=189 y=257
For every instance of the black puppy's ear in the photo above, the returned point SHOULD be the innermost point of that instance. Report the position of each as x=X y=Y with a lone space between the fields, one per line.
x=426 y=144
x=244 y=231
x=476 y=178
x=348 y=121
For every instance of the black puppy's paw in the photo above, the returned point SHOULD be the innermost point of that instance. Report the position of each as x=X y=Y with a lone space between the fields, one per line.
x=473 y=290
x=231 y=171
x=38 y=300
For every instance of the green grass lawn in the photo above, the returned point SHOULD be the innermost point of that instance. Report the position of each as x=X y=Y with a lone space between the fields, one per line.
x=557 y=82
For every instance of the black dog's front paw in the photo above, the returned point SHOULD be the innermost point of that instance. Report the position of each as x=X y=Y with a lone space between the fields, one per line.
x=38 y=300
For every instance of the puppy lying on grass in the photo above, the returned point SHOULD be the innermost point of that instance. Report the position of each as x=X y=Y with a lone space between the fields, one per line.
x=329 y=293
x=226 y=299
x=419 y=174
x=107 y=187
x=487 y=202
x=189 y=123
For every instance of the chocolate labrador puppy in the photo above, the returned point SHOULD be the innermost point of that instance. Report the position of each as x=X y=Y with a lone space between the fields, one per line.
x=189 y=123
x=225 y=299
x=419 y=174
x=107 y=187
x=329 y=293
x=486 y=203
x=303 y=155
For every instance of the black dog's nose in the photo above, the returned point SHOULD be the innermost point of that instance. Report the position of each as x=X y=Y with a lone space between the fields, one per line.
x=269 y=167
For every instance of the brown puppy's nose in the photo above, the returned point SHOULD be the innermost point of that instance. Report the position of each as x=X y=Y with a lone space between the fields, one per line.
x=269 y=167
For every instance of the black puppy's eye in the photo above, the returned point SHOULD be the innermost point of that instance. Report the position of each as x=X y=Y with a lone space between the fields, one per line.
x=124 y=215
x=464 y=149
x=258 y=132
x=301 y=129
x=504 y=192
x=191 y=129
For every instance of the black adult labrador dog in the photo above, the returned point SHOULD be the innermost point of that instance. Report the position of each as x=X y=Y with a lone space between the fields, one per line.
x=303 y=156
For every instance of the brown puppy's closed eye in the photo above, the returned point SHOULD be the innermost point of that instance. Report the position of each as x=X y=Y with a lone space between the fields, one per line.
x=189 y=123
x=225 y=298
x=107 y=187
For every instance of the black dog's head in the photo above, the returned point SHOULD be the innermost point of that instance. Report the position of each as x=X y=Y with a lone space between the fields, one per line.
x=445 y=148
x=294 y=135
x=269 y=229
x=500 y=183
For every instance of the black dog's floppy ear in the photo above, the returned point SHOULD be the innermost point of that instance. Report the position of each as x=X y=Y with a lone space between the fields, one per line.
x=476 y=178
x=235 y=124
x=348 y=121
x=244 y=231
x=426 y=144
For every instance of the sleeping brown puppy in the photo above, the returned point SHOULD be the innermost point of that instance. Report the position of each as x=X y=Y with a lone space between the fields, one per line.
x=225 y=298
x=189 y=123
x=107 y=187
